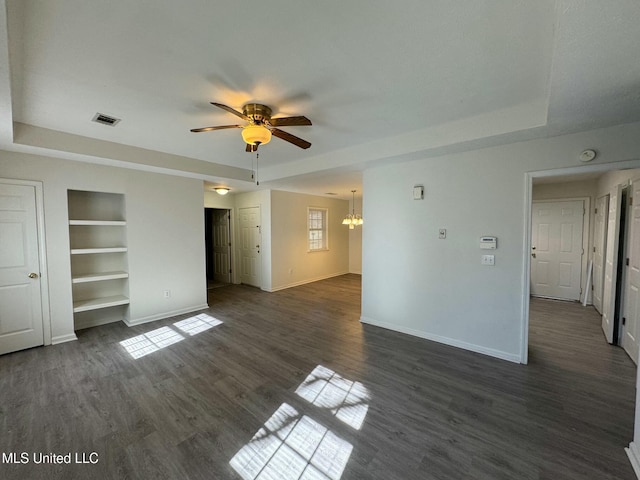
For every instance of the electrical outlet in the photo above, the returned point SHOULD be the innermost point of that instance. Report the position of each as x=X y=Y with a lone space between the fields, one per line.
x=442 y=233
x=167 y=294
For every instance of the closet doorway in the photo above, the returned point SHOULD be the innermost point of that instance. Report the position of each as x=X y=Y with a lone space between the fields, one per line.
x=217 y=236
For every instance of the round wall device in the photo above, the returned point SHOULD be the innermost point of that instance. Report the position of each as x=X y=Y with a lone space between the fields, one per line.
x=587 y=155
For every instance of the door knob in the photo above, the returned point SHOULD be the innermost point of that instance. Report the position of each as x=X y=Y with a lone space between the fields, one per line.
x=533 y=255
x=257 y=246
x=33 y=275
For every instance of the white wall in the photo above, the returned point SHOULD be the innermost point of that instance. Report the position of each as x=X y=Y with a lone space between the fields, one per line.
x=618 y=177
x=165 y=233
x=553 y=191
x=355 y=242
x=215 y=200
x=416 y=283
x=292 y=263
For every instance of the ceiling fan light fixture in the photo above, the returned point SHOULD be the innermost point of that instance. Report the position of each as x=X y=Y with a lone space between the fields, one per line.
x=256 y=134
x=221 y=190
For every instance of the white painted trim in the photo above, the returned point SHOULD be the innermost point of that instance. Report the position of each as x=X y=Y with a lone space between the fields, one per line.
x=42 y=253
x=526 y=255
x=69 y=337
x=304 y=282
x=161 y=316
x=511 y=357
x=633 y=452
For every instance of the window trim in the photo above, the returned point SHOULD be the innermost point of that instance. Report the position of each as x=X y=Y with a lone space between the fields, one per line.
x=325 y=229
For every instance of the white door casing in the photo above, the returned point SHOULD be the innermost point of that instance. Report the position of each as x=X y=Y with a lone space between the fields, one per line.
x=21 y=306
x=250 y=240
x=599 y=249
x=632 y=297
x=610 y=263
x=556 y=255
x=221 y=246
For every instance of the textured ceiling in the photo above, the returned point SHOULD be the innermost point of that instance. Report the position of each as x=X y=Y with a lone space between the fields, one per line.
x=379 y=80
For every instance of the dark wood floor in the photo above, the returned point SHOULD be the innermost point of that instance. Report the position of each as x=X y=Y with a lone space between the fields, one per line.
x=239 y=399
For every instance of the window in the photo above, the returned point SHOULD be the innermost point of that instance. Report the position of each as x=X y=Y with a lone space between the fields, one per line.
x=317 y=224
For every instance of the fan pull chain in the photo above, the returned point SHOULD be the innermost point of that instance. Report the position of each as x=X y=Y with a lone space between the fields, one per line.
x=257 y=156
x=253 y=171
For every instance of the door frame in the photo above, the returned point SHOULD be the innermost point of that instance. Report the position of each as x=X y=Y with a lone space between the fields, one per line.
x=42 y=253
x=230 y=247
x=624 y=275
x=603 y=240
x=237 y=268
x=526 y=243
x=586 y=226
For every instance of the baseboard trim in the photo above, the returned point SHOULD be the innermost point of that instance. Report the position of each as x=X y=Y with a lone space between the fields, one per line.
x=633 y=452
x=510 y=357
x=161 y=316
x=304 y=282
x=70 y=337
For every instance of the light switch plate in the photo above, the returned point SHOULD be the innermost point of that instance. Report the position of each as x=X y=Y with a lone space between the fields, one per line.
x=418 y=192
x=488 y=260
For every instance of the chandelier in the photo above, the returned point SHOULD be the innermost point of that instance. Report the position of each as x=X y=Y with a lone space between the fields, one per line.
x=352 y=219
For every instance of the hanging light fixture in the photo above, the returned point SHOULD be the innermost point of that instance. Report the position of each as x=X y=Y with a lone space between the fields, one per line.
x=352 y=219
x=256 y=134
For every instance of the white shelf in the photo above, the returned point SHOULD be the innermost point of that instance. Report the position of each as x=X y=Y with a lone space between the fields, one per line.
x=99 y=277
x=113 y=223
x=87 y=251
x=98 y=246
x=96 y=303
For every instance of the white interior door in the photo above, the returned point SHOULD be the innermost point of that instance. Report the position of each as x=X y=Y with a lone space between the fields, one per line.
x=556 y=249
x=632 y=297
x=20 y=300
x=610 y=263
x=221 y=246
x=250 y=260
x=599 y=249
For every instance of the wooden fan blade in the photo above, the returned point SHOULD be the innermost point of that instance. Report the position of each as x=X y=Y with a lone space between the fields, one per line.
x=289 y=121
x=290 y=138
x=219 y=127
x=231 y=110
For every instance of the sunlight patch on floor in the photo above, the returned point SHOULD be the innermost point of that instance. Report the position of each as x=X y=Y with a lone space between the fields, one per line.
x=291 y=446
x=346 y=399
x=197 y=324
x=152 y=341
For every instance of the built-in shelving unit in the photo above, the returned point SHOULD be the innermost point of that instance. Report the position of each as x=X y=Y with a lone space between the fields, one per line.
x=99 y=267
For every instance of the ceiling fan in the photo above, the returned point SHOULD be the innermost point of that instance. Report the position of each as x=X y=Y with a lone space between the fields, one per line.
x=261 y=126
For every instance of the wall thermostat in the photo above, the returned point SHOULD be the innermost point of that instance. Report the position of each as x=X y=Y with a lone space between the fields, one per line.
x=418 y=192
x=488 y=243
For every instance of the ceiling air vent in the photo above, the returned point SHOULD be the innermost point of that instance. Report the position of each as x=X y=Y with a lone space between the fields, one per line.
x=105 y=119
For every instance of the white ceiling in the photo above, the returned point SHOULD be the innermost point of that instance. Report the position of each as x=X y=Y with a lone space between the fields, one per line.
x=380 y=81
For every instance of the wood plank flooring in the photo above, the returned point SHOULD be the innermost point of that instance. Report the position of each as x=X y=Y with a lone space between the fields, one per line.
x=428 y=411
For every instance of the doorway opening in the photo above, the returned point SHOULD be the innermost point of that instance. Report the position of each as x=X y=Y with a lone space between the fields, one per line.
x=604 y=185
x=217 y=237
